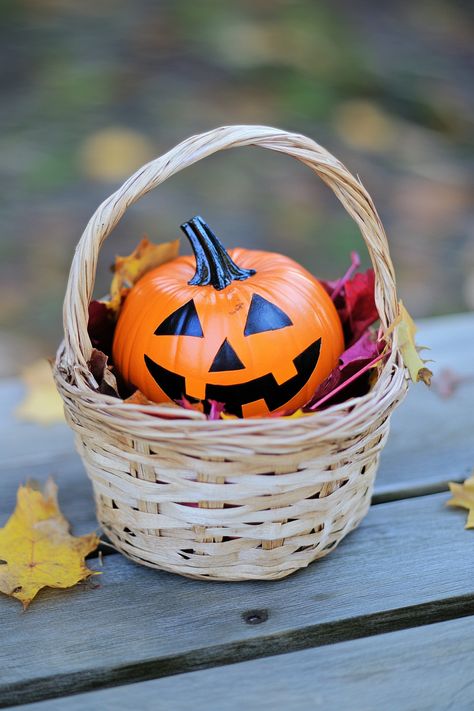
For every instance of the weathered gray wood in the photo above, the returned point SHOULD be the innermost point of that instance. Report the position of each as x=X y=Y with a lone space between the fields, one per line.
x=75 y=491
x=411 y=561
x=431 y=439
x=25 y=442
x=426 y=668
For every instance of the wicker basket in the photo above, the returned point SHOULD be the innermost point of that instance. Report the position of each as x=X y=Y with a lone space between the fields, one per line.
x=270 y=495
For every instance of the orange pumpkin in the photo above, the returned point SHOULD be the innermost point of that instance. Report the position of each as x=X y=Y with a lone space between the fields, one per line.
x=259 y=337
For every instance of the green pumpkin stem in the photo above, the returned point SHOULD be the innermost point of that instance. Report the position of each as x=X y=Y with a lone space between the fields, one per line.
x=213 y=264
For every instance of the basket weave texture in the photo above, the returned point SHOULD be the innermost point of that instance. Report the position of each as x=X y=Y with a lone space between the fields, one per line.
x=269 y=495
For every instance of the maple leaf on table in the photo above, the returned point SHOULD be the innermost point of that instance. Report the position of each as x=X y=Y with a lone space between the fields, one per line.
x=463 y=495
x=36 y=548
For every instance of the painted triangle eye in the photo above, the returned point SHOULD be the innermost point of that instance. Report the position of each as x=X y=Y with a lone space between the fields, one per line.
x=265 y=316
x=182 y=322
x=226 y=359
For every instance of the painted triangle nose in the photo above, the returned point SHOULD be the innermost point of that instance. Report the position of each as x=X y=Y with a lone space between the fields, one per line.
x=226 y=359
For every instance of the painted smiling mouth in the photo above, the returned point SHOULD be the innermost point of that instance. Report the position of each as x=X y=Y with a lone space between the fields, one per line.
x=234 y=396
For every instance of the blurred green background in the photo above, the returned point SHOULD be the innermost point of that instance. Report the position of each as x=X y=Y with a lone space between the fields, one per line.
x=93 y=89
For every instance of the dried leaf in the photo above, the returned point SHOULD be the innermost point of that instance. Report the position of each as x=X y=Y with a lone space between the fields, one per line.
x=187 y=405
x=334 y=288
x=406 y=342
x=102 y=373
x=360 y=303
x=354 y=298
x=42 y=403
x=463 y=495
x=356 y=360
x=101 y=326
x=36 y=548
x=137 y=398
x=365 y=349
x=127 y=270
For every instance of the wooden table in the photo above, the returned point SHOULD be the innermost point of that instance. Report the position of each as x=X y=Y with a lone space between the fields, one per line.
x=382 y=623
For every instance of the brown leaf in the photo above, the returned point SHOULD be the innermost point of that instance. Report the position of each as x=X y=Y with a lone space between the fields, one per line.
x=106 y=381
x=101 y=326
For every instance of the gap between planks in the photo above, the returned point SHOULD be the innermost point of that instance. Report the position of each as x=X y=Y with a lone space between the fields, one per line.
x=61 y=686
x=351 y=588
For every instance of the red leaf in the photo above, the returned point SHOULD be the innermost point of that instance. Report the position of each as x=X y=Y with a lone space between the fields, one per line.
x=354 y=298
x=187 y=405
x=336 y=287
x=343 y=385
x=354 y=362
x=361 y=311
x=101 y=326
x=364 y=349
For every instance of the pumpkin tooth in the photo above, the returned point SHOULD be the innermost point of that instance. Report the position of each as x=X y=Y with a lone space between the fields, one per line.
x=196 y=388
x=284 y=372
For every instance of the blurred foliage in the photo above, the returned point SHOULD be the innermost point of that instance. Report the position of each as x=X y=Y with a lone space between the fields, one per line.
x=91 y=90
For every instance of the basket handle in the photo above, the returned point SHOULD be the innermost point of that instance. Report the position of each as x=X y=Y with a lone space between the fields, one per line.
x=348 y=189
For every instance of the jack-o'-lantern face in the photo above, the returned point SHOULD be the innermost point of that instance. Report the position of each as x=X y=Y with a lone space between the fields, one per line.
x=259 y=337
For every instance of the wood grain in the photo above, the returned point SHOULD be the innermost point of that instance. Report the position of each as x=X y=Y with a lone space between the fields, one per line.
x=410 y=562
x=431 y=439
x=24 y=443
x=381 y=672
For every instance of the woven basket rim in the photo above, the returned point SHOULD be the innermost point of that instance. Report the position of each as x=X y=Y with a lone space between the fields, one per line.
x=157 y=415
x=71 y=366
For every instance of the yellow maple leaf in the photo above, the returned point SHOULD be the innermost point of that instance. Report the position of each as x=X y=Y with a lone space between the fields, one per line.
x=42 y=403
x=36 y=548
x=463 y=495
x=127 y=270
x=409 y=350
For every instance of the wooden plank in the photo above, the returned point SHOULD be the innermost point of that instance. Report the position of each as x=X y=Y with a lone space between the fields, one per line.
x=25 y=442
x=31 y=451
x=422 y=668
x=410 y=562
x=431 y=439
x=75 y=491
